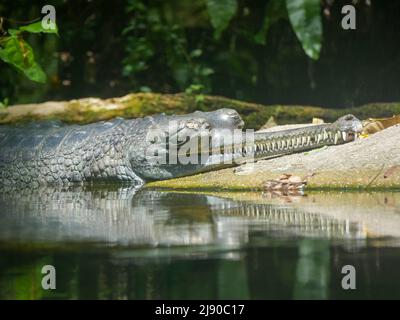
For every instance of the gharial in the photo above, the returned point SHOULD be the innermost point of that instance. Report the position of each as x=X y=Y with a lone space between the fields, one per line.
x=53 y=153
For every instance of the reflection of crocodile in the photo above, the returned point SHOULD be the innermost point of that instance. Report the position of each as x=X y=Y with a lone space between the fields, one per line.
x=288 y=220
x=51 y=153
x=152 y=218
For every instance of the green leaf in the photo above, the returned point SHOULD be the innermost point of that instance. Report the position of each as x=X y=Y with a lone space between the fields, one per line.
x=206 y=71
x=18 y=53
x=13 y=32
x=305 y=17
x=4 y=103
x=221 y=12
x=196 y=53
x=274 y=11
x=37 y=27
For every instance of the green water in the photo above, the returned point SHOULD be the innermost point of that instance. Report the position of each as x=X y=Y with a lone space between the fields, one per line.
x=111 y=242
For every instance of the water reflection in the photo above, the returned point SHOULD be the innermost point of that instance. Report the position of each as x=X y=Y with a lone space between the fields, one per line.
x=119 y=243
x=123 y=216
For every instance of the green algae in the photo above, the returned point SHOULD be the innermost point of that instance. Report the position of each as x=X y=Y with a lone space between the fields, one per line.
x=136 y=105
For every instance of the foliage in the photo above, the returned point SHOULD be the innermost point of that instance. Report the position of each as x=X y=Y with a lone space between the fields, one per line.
x=37 y=27
x=156 y=40
x=15 y=51
x=305 y=18
x=275 y=10
x=151 y=39
x=4 y=103
x=266 y=51
x=221 y=12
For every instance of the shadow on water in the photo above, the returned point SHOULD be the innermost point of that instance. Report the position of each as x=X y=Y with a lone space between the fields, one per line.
x=119 y=243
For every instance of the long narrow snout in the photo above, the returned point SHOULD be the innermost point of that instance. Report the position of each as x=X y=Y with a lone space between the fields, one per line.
x=268 y=144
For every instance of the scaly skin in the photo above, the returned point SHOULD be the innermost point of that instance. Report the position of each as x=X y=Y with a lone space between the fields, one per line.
x=53 y=154
x=56 y=154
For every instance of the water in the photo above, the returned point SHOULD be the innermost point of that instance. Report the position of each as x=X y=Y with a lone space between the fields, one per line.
x=111 y=242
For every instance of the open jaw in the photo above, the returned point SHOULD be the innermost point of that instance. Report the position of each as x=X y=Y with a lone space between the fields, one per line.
x=202 y=147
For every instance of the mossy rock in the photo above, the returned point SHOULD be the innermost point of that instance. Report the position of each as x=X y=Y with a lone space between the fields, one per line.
x=142 y=104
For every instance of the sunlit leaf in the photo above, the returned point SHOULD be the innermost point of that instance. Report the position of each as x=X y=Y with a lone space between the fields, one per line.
x=37 y=27
x=13 y=32
x=196 y=53
x=305 y=17
x=18 y=53
x=221 y=12
x=207 y=71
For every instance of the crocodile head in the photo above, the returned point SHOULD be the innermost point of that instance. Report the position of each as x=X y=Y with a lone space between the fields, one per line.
x=349 y=126
x=176 y=146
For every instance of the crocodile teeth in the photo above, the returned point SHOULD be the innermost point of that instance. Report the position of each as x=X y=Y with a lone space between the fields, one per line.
x=319 y=138
x=336 y=138
x=284 y=144
x=325 y=135
x=344 y=136
x=304 y=141
x=308 y=140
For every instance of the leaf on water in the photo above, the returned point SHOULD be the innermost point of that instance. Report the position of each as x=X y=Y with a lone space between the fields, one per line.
x=305 y=17
x=389 y=172
x=38 y=27
x=221 y=12
x=18 y=53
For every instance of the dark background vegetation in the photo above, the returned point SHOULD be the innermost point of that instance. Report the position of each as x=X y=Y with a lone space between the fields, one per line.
x=110 y=48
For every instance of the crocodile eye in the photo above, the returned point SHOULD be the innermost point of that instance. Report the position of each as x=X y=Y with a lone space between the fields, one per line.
x=349 y=117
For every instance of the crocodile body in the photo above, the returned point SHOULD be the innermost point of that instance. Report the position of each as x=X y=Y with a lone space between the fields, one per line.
x=55 y=153
x=49 y=153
